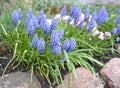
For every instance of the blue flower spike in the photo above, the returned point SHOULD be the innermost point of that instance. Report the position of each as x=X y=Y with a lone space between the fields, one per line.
x=91 y=25
x=63 y=11
x=118 y=12
x=53 y=24
x=41 y=46
x=117 y=39
x=29 y=16
x=69 y=45
x=55 y=43
x=35 y=41
x=86 y=14
x=32 y=26
x=94 y=16
x=16 y=17
x=102 y=15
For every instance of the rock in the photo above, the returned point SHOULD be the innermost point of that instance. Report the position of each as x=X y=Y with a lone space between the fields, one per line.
x=19 y=80
x=84 y=80
x=111 y=73
x=118 y=47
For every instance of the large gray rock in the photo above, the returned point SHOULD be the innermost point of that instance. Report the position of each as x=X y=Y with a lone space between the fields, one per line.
x=19 y=80
x=111 y=73
x=84 y=80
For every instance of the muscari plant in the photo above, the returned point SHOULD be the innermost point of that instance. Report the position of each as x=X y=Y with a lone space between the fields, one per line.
x=52 y=47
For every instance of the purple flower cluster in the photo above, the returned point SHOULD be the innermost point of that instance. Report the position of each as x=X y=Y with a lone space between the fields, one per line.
x=117 y=39
x=116 y=30
x=46 y=28
x=55 y=43
x=35 y=40
x=16 y=16
x=94 y=16
x=72 y=10
x=81 y=25
x=39 y=44
x=75 y=13
x=41 y=18
x=63 y=11
x=86 y=14
x=118 y=12
x=53 y=24
x=69 y=45
x=102 y=15
x=44 y=25
x=29 y=16
x=118 y=20
x=91 y=25
x=32 y=25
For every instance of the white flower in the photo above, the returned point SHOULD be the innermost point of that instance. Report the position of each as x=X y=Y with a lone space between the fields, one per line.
x=107 y=34
x=101 y=36
x=49 y=21
x=96 y=32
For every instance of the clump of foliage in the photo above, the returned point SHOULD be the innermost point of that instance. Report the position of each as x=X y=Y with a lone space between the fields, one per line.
x=58 y=45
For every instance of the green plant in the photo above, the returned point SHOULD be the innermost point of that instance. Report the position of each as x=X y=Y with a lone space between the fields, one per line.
x=50 y=65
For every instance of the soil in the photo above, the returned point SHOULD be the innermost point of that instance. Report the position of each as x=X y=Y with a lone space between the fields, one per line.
x=5 y=56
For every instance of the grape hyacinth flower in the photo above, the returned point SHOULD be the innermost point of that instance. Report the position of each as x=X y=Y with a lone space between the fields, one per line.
x=86 y=14
x=35 y=41
x=69 y=20
x=41 y=18
x=94 y=16
x=81 y=25
x=32 y=26
x=72 y=44
x=61 y=33
x=16 y=16
x=69 y=45
x=66 y=45
x=102 y=15
x=118 y=20
x=77 y=14
x=53 y=24
x=20 y=14
x=114 y=31
x=63 y=11
x=41 y=46
x=117 y=39
x=91 y=25
x=118 y=12
x=72 y=10
x=42 y=22
x=55 y=43
x=45 y=28
x=29 y=16
x=118 y=29
x=56 y=50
